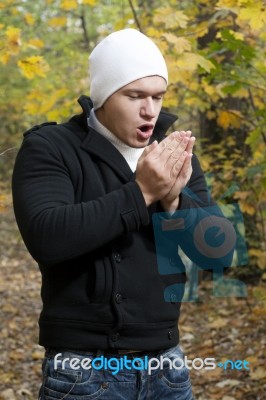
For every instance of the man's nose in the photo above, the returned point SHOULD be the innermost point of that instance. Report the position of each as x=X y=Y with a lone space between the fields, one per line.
x=148 y=108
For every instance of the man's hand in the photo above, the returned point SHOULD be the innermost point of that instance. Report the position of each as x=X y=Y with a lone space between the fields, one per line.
x=160 y=166
x=171 y=200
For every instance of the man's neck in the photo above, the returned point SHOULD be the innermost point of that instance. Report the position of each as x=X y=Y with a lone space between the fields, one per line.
x=130 y=154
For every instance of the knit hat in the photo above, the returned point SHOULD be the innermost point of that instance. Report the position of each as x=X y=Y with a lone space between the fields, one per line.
x=121 y=58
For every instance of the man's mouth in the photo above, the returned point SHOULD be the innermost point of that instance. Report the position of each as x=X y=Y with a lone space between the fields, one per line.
x=145 y=131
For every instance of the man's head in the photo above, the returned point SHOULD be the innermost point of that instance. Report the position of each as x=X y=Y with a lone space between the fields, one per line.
x=121 y=58
x=128 y=78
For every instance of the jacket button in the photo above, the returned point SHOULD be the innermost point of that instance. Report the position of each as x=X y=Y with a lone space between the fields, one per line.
x=170 y=335
x=117 y=257
x=118 y=298
x=115 y=336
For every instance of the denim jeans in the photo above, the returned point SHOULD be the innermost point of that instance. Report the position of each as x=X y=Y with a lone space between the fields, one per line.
x=77 y=375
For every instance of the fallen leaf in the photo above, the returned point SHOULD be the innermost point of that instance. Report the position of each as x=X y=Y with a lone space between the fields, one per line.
x=228 y=382
x=259 y=373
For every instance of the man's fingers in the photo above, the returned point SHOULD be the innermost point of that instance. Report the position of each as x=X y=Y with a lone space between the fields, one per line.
x=170 y=144
x=186 y=170
x=177 y=166
x=148 y=149
x=190 y=144
x=169 y=141
x=173 y=153
x=171 y=158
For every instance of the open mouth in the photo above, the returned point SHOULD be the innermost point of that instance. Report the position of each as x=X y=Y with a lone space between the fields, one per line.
x=145 y=131
x=145 y=128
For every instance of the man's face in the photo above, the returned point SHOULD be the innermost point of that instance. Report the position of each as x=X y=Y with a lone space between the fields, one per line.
x=131 y=112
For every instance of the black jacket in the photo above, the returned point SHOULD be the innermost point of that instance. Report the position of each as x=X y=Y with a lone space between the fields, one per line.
x=84 y=220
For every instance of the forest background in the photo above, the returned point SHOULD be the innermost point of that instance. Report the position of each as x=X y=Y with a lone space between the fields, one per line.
x=215 y=51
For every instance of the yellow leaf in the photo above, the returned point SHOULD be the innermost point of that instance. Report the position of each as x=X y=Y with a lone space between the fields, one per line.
x=237 y=35
x=153 y=32
x=170 y=37
x=2 y=26
x=57 y=21
x=190 y=62
x=176 y=74
x=68 y=4
x=45 y=103
x=32 y=66
x=260 y=256
x=252 y=359
x=36 y=43
x=170 y=19
x=258 y=374
x=5 y=3
x=4 y=201
x=170 y=98
x=17 y=354
x=89 y=2
x=32 y=108
x=228 y=382
x=231 y=5
x=194 y=86
x=37 y=355
x=255 y=16
x=4 y=58
x=13 y=38
x=180 y=43
x=247 y=208
x=14 y=11
x=241 y=93
x=243 y=195
x=218 y=323
x=210 y=90
x=13 y=34
x=29 y=19
x=229 y=118
x=202 y=29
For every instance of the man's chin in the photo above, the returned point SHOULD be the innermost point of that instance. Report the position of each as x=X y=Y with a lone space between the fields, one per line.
x=139 y=144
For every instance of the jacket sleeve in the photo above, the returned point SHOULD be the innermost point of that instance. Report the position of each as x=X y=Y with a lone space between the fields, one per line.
x=52 y=226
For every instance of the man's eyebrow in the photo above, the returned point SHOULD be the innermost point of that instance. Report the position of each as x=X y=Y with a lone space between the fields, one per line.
x=140 y=91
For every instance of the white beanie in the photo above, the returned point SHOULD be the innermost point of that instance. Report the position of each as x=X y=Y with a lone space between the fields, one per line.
x=121 y=58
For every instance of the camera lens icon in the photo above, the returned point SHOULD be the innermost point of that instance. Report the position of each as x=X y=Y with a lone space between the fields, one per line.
x=214 y=237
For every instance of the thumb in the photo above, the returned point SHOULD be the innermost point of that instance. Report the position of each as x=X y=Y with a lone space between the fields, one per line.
x=148 y=149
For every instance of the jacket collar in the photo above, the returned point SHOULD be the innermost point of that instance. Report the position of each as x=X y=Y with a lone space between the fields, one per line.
x=99 y=146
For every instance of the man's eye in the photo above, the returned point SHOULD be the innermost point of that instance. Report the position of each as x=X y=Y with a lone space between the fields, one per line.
x=157 y=97
x=133 y=97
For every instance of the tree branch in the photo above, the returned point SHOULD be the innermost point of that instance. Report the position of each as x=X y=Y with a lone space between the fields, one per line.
x=135 y=15
x=84 y=28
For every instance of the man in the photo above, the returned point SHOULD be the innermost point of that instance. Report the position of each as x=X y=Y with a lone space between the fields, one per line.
x=85 y=193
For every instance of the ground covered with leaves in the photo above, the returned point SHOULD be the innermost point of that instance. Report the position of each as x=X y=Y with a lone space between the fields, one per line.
x=221 y=328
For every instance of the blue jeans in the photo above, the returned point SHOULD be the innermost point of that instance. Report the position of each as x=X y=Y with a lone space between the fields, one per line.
x=76 y=375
